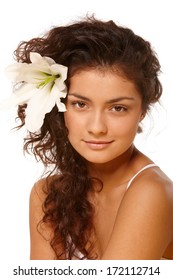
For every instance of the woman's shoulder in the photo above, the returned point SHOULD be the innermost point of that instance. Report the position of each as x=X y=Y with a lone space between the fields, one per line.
x=153 y=182
x=149 y=176
x=145 y=212
x=38 y=195
x=152 y=190
x=153 y=177
x=39 y=190
x=40 y=233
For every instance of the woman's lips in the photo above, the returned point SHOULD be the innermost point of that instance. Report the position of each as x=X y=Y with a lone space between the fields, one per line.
x=97 y=145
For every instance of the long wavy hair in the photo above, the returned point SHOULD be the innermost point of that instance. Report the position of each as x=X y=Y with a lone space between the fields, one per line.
x=89 y=43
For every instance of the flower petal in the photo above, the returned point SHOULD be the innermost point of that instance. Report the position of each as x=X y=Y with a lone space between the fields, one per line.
x=25 y=93
x=60 y=84
x=61 y=106
x=57 y=95
x=36 y=58
x=19 y=97
x=40 y=104
x=57 y=92
x=16 y=71
x=59 y=69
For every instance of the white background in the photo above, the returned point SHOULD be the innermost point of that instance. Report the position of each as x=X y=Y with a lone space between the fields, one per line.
x=22 y=20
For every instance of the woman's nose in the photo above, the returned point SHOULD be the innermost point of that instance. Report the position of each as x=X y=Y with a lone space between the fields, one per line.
x=97 y=124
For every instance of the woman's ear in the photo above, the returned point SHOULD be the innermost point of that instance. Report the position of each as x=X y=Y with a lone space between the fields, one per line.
x=142 y=116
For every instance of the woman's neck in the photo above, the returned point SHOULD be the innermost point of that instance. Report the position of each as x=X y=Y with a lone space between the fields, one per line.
x=116 y=171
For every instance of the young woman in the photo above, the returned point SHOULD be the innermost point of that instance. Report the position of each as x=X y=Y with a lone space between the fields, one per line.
x=103 y=198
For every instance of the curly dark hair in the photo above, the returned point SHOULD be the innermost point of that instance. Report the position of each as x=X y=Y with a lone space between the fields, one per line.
x=89 y=43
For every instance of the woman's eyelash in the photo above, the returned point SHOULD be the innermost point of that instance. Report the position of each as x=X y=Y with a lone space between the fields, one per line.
x=79 y=104
x=119 y=108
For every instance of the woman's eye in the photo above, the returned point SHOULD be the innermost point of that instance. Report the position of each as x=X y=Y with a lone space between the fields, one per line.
x=119 y=108
x=79 y=104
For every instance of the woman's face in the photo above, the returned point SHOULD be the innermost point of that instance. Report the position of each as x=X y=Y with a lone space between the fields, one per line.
x=103 y=114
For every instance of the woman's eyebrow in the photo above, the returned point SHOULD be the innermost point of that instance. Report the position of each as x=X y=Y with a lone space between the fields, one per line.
x=121 y=98
x=114 y=100
x=79 y=96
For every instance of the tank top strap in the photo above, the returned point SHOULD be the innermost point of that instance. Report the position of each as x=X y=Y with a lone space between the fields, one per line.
x=141 y=170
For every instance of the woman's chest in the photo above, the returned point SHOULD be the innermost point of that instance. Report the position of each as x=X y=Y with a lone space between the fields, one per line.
x=106 y=211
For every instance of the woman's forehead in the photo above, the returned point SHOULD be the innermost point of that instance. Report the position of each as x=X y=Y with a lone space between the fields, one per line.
x=91 y=83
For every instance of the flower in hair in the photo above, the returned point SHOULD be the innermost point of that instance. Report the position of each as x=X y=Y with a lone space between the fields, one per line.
x=40 y=85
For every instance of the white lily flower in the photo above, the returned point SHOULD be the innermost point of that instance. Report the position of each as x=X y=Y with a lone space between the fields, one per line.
x=41 y=87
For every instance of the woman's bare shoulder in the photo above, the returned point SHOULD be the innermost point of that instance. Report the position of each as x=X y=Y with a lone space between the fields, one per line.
x=153 y=184
x=152 y=190
x=40 y=233
x=155 y=180
x=146 y=211
x=40 y=189
x=38 y=195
